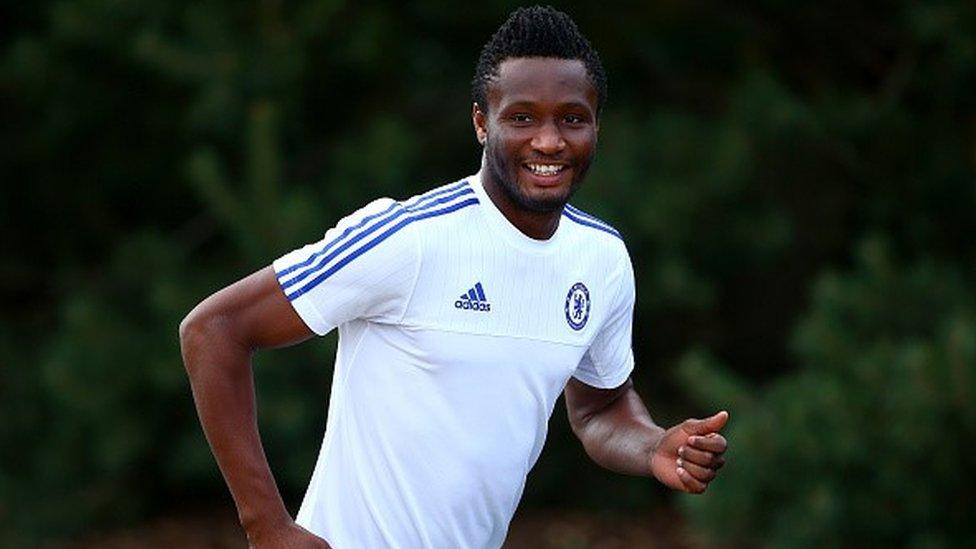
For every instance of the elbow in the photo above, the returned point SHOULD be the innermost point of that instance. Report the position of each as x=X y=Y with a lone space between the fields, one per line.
x=187 y=325
x=209 y=335
x=591 y=434
x=577 y=422
x=201 y=328
x=194 y=323
x=190 y=333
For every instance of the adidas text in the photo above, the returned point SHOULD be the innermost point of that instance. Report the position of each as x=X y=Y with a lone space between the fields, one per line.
x=467 y=304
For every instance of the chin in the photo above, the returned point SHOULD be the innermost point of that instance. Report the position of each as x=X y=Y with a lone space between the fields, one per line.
x=543 y=200
x=556 y=198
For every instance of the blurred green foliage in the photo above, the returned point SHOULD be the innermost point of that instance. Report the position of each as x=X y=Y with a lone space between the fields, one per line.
x=795 y=182
x=865 y=443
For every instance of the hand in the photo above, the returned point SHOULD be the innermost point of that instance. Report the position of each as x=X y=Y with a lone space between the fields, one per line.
x=288 y=536
x=689 y=454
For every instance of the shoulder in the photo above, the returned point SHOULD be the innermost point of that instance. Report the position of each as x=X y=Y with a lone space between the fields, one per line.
x=604 y=247
x=380 y=228
x=589 y=221
x=439 y=200
x=595 y=230
x=385 y=217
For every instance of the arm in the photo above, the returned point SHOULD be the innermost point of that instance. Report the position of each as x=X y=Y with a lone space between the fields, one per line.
x=618 y=433
x=217 y=339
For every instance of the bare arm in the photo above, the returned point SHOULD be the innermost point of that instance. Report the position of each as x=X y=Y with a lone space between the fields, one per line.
x=217 y=339
x=618 y=433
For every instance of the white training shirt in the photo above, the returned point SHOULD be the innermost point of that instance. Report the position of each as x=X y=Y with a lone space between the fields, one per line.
x=457 y=333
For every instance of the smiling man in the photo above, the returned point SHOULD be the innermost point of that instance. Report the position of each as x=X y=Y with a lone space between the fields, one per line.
x=463 y=313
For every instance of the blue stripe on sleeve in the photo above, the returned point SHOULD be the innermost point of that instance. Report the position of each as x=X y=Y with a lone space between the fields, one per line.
x=580 y=213
x=605 y=228
x=333 y=242
x=430 y=202
x=324 y=275
x=308 y=261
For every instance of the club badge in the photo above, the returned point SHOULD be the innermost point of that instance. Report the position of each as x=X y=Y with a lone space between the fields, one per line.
x=577 y=306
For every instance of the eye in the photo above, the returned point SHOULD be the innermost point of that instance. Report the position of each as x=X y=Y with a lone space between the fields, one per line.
x=574 y=119
x=521 y=118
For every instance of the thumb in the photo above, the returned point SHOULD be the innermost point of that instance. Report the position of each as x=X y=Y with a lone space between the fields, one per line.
x=707 y=425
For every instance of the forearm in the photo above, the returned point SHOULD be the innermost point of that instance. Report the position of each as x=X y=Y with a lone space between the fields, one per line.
x=620 y=436
x=220 y=375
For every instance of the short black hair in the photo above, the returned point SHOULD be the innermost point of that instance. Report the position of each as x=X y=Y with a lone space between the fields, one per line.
x=537 y=31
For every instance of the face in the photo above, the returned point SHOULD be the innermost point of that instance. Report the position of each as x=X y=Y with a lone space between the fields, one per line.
x=539 y=132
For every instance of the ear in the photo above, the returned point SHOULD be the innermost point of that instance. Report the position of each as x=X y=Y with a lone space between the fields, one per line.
x=480 y=121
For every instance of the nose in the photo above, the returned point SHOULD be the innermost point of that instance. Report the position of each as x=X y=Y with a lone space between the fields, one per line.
x=548 y=140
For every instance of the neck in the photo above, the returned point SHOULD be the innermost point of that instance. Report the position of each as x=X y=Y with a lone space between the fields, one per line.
x=536 y=225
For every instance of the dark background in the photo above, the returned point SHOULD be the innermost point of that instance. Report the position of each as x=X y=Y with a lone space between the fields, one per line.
x=795 y=182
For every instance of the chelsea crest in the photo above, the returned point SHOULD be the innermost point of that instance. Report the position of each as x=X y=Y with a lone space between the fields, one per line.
x=577 y=306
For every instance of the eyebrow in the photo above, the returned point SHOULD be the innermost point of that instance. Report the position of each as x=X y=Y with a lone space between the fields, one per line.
x=524 y=103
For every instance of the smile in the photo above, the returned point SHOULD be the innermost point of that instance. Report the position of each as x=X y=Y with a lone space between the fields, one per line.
x=545 y=169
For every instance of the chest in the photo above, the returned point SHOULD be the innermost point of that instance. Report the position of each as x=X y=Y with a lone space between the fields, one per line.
x=482 y=287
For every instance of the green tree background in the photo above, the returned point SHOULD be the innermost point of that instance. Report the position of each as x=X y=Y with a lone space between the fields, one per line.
x=795 y=181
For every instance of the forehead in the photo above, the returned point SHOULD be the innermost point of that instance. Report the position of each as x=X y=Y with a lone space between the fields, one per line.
x=541 y=80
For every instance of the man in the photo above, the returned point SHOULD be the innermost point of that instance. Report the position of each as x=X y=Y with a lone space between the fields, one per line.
x=463 y=313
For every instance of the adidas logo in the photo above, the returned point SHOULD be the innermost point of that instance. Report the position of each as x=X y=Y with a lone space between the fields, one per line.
x=474 y=300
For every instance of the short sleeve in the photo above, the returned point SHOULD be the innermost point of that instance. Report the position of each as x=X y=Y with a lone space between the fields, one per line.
x=609 y=360
x=364 y=268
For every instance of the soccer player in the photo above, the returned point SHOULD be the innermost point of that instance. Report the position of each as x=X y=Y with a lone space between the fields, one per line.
x=462 y=313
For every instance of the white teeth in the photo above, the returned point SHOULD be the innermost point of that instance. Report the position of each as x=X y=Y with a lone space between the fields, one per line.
x=545 y=169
